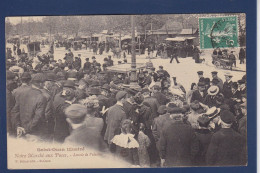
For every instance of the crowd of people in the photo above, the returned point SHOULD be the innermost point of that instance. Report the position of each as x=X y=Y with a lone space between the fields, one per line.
x=158 y=124
x=162 y=49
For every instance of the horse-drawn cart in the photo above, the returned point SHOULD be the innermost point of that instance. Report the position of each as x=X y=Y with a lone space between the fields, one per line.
x=221 y=62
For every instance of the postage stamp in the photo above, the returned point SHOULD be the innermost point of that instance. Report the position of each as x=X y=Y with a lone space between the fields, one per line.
x=218 y=32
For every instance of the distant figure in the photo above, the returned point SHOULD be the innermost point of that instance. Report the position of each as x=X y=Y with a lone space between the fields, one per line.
x=242 y=56
x=232 y=59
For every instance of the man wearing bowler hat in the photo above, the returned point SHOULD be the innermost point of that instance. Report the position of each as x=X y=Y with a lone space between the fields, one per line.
x=178 y=148
x=204 y=135
x=226 y=146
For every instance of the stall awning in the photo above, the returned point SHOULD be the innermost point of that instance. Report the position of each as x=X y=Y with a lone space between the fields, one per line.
x=179 y=38
x=176 y=39
x=190 y=38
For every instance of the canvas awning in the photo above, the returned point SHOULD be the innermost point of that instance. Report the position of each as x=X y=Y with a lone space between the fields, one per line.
x=190 y=38
x=176 y=39
x=179 y=38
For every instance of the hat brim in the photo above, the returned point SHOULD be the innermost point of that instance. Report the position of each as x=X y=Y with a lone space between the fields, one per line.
x=214 y=114
x=213 y=93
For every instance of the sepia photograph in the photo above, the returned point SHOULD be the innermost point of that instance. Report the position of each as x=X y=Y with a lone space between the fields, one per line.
x=126 y=91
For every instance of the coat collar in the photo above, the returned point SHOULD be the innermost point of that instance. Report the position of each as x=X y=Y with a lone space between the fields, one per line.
x=119 y=103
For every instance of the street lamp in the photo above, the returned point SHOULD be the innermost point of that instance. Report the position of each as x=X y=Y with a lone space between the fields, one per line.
x=133 y=75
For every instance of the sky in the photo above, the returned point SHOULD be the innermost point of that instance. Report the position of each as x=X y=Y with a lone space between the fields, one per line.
x=16 y=20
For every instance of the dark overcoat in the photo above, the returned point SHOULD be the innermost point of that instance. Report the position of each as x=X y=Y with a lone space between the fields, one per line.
x=115 y=116
x=226 y=148
x=29 y=111
x=178 y=144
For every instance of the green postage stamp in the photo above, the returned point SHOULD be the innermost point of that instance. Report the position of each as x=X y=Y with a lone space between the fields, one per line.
x=218 y=32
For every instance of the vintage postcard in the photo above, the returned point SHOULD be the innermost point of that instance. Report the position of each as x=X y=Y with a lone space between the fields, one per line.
x=126 y=91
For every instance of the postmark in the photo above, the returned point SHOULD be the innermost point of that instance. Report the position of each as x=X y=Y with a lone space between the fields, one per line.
x=218 y=32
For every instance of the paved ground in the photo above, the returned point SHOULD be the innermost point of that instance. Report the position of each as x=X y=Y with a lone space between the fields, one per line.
x=185 y=71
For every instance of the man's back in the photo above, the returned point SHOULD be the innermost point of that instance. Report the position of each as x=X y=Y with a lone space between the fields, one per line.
x=178 y=144
x=153 y=104
x=115 y=116
x=225 y=148
x=29 y=110
x=18 y=91
x=161 y=98
x=88 y=137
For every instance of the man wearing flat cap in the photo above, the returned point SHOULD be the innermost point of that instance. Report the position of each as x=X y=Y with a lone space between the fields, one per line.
x=227 y=146
x=220 y=82
x=29 y=111
x=200 y=75
x=115 y=115
x=82 y=134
